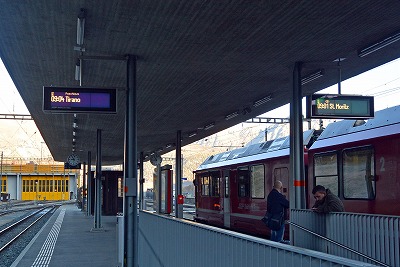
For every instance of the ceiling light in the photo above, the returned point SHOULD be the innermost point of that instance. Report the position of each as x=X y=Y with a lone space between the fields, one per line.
x=160 y=149
x=232 y=115
x=312 y=76
x=262 y=101
x=192 y=134
x=375 y=47
x=73 y=140
x=80 y=29
x=209 y=126
x=74 y=133
x=169 y=145
x=77 y=71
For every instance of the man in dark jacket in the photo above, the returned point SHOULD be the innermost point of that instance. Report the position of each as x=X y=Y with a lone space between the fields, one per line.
x=326 y=201
x=276 y=204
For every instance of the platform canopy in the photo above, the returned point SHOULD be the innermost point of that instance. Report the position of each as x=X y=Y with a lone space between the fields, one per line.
x=197 y=61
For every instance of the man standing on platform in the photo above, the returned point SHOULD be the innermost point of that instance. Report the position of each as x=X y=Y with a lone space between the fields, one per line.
x=276 y=207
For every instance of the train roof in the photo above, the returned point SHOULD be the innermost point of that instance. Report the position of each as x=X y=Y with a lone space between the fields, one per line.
x=269 y=149
x=385 y=122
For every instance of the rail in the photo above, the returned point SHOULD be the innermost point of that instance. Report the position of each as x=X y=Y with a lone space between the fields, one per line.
x=31 y=220
x=374 y=236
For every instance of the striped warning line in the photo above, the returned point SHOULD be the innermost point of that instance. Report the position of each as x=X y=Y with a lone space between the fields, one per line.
x=45 y=253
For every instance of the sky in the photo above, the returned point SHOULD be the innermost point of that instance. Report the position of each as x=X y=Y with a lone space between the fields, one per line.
x=22 y=138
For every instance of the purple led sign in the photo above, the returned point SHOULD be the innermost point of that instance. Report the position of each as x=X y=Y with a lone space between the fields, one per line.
x=60 y=99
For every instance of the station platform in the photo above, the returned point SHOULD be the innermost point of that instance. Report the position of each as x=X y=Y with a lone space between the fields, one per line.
x=68 y=239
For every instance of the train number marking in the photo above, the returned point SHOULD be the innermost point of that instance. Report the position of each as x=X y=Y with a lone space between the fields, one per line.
x=382 y=161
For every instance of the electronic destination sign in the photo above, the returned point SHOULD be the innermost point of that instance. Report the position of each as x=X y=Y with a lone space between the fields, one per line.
x=330 y=106
x=79 y=100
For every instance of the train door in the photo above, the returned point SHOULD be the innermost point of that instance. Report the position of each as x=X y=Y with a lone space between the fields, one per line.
x=227 y=200
x=282 y=174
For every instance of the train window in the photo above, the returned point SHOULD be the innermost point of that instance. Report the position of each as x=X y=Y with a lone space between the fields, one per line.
x=3 y=185
x=205 y=186
x=257 y=181
x=215 y=184
x=243 y=182
x=326 y=171
x=359 y=173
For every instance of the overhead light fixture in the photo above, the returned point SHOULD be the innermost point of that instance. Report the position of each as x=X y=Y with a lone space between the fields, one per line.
x=80 y=29
x=262 y=101
x=232 y=115
x=192 y=134
x=312 y=76
x=379 y=45
x=169 y=145
x=77 y=71
x=209 y=126
x=160 y=149
x=74 y=133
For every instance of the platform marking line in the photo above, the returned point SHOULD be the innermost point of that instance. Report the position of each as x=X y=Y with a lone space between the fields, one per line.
x=45 y=253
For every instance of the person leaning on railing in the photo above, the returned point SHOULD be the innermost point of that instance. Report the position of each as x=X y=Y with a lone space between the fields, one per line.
x=326 y=201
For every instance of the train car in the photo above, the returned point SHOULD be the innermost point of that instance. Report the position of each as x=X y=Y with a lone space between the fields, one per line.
x=232 y=187
x=360 y=162
x=357 y=160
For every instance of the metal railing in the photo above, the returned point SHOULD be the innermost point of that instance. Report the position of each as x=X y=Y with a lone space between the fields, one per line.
x=167 y=241
x=362 y=237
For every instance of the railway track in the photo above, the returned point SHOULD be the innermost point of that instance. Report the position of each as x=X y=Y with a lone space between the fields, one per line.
x=14 y=237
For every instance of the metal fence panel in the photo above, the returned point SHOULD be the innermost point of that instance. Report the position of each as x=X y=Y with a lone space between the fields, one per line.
x=166 y=241
x=376 y=236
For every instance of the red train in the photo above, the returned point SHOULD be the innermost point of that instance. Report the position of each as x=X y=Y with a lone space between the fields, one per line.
x=358 y=160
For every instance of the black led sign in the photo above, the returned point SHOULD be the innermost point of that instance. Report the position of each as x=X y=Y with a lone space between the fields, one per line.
x=330 y=106
x=79 y=100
